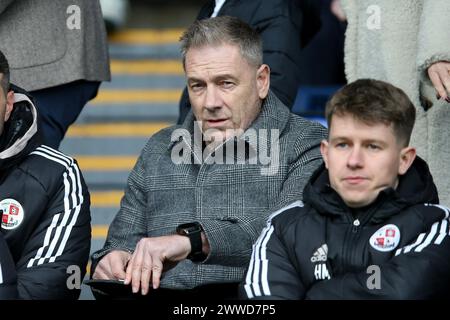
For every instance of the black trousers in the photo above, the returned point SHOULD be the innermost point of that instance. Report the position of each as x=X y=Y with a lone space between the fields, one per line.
x=210 y=292
x=60 y=106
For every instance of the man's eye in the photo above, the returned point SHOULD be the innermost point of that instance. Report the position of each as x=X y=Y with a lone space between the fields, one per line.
x=196 y=86
x=373 y=146
x=341 y=145
x=226 y=84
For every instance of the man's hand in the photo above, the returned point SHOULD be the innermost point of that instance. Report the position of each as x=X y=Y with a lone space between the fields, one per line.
x=153 y=256
x=439 y=73
x=112 y=266
x=336 y=9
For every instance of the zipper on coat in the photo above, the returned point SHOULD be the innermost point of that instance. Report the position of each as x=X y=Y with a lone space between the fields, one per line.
x=350 y=242
x=356 y=225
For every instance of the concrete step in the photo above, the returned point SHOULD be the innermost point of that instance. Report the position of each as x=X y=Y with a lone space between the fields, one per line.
x=136 y=112
x=163 y=51
x=144 y=81
x=145 y=44
x=103 y=146
x=103 y=215
x=164 y=67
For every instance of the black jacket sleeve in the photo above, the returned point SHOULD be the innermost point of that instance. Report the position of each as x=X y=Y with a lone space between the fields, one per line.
x=8 y=275
x=271 y=274
x=417 y=271
x=279 y=24
x=60 y=243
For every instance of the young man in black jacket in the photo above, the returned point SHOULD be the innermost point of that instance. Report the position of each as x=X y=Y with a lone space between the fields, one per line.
x=370 y=226
x=44 y=207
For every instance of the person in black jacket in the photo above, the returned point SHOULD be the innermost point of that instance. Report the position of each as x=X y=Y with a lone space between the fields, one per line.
x=44 y=207
x=370 y=226
x=285 y=26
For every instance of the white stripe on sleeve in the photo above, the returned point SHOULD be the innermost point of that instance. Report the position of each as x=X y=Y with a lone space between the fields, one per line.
x=257 y=273
x=429 y=237
x=73 y=199
x=442 y=232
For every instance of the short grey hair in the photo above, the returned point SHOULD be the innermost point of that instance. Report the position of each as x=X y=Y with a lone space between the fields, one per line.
x=224 y=30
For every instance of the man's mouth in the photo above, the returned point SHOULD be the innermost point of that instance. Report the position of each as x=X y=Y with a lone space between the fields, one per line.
x=216 y=122
x=354 y=179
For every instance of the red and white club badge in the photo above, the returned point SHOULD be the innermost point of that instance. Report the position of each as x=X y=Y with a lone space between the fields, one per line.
x=12 y=213
x=386 y=238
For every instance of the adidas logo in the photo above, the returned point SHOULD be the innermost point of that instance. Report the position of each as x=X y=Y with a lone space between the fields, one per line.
x=320 y=254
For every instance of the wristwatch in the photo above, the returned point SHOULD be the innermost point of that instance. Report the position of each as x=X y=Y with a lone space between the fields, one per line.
x=193 y=231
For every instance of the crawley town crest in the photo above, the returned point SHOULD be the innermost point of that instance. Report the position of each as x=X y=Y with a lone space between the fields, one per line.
x=386 y=238
x=12 y=213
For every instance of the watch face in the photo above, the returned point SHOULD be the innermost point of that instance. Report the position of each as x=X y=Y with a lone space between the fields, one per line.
x=193 y=232
x=188 y=228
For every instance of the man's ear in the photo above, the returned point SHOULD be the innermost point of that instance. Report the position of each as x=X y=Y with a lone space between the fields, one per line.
x=324 y=151
x=263 y=80
x=407 y=156
x=9 y=104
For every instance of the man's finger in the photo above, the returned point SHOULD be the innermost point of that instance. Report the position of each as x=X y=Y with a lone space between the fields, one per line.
x=136 y=270
x=444 y=75
x=146 y=272
x=436 y=80
x=156 y=272
x=129 y=268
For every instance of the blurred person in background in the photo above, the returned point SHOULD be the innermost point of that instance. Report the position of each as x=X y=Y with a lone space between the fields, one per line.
x=58 y=52
x=115 y=13
x=321 y=65
x=322 y=60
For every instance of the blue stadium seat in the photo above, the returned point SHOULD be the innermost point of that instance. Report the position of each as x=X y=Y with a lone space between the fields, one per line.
x=311 y=100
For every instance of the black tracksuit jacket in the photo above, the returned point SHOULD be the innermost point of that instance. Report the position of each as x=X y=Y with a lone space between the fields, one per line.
x=44 y=211
x=396 y=248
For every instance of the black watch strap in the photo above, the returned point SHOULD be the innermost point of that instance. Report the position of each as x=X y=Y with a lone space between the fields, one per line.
x=194 y=232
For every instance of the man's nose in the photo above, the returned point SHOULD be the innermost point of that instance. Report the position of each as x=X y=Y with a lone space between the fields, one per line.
x=355 y=158
x=212 y=98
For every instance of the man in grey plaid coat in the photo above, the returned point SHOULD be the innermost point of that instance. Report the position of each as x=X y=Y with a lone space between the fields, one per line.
x=200 y=193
